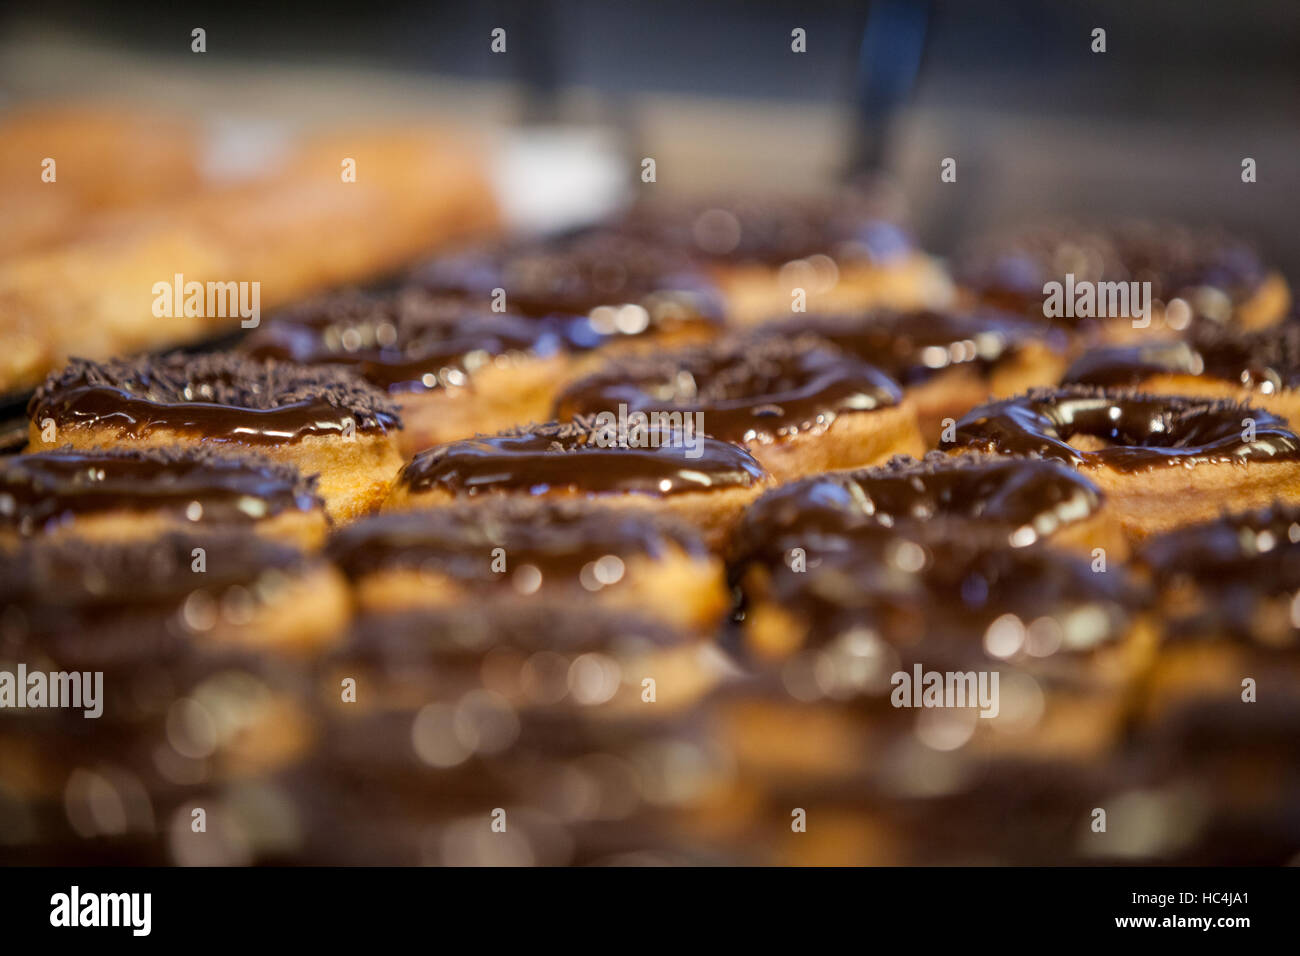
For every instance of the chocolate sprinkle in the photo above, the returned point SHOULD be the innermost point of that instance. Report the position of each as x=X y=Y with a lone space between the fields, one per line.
x=749 y=389
x=222 y=395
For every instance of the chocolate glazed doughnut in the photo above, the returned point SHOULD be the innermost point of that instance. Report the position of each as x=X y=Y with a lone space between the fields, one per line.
x=1164 y=461
x=1260 y=368
x=536 y=709
x=1196 y=277
x=533 y=552
x=704 y=481
x=322 y=420
x=1013 y=502
x=845 y=251
x=799 y=406
x=452 y=369
x=601 y=290
x=113 y=493
x=947 y=362
x=204 y=684
x=844 y=633
x=1220 y=707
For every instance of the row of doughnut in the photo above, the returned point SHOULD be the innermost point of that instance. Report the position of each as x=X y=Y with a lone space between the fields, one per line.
x=374 y=586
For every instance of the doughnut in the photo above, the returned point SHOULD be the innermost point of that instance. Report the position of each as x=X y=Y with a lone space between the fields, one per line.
x=798 y=405
x=1228 y=595
x=94 y=295
x=105 y=159
x=842 y=250
x=1259 y=368
x=568 y=552
x=1162 y=460
x=1014 y=502
x=128 y=493
x=823 y=727
x=243 y=591
x=536 y=710
x=703 y=481
x=322 y=420
x=454 y=371
x=203 y=679
x=601 y=290
x=1216 y=278
x=947 y=361
x=1221 y=765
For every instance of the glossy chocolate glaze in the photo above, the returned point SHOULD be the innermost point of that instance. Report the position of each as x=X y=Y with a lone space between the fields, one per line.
x=1017 y=500
x=567 y=457
x=220 y=397
x=408 y=341
x=753 y=390
x=914 y=346
x=852 y=226
x=1209 y=269
x=558 y=538
x=931 y=591
x=41 y=489
x=1235 y=564
x=530 y=681
x=595 y=287
x=108 y=601
x=1144 y=431
x=1267 y=360
x=1132 y=364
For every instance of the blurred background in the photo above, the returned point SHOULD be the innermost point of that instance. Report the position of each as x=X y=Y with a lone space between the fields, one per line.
x=1038 y=123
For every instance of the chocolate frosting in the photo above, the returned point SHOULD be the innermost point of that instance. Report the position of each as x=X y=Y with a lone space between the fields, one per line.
x=105 y=601
x=1236 y=563
x=931 y=591
x=1145 y=431
x=408 y=341
x=914 y=346
x=1133 y=364
x=40 y=489
x=559 y=538
x=221 y=397
x=1250 y=547
x=1268 y=360
x=1017 y=500
x=1011 y=269
x=750 y=390
x=595 y=287
x=569 y=457
x=852 y=225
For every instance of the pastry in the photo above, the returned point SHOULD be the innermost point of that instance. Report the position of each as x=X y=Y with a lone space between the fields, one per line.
x=1260 y=368
x=799 y=406
x=323 y=421
x=125 y=493
x=843 y=252
x=1195 y=277
x=578 y=730
x=567 y=552
x=701 y=480
x=1015 y=502
x=453 y=370
x=1162 y=460
x=600 y=290
x=201 y=265
x=947 y=362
